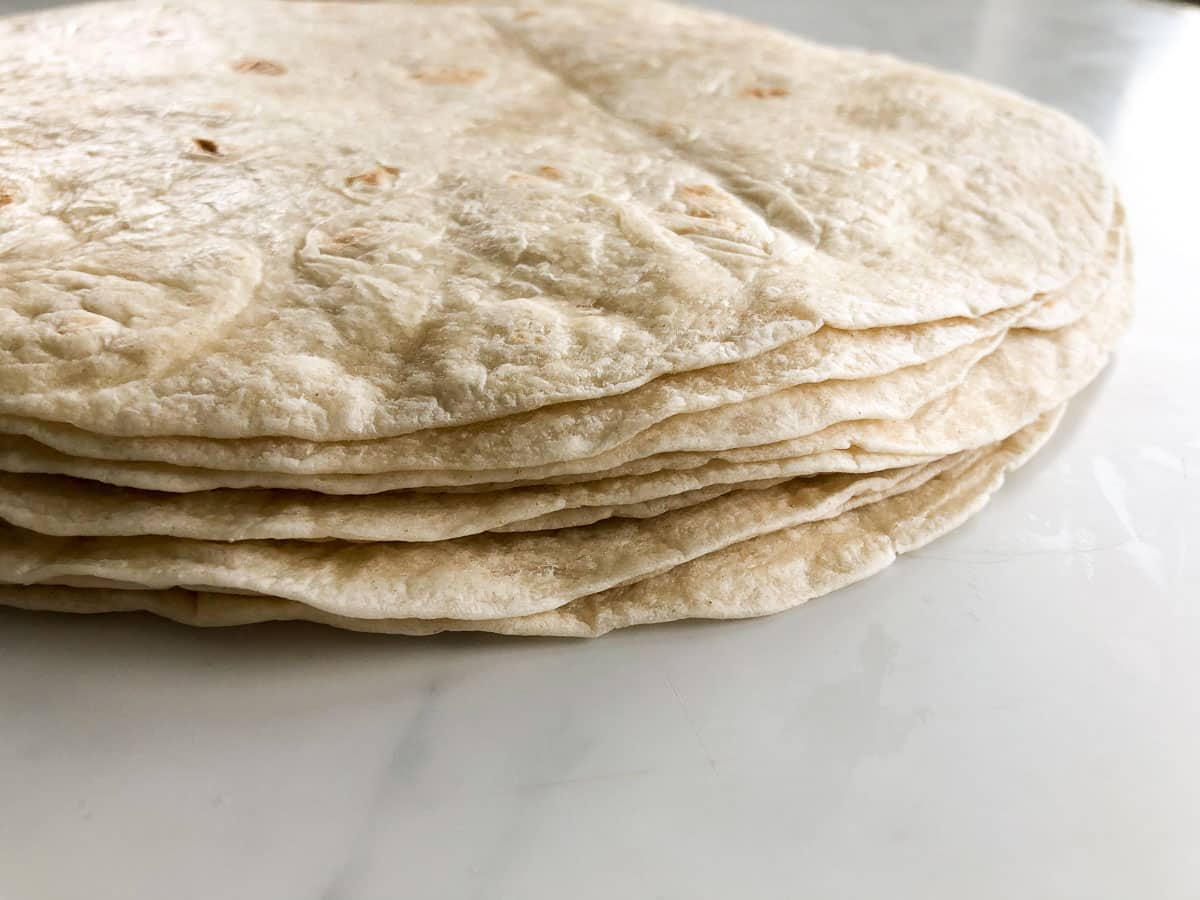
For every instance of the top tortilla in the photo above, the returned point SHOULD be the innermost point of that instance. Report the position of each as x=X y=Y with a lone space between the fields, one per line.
x=349 y=221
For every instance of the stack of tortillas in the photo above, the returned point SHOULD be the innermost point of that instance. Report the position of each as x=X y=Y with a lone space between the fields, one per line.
x=546 y=318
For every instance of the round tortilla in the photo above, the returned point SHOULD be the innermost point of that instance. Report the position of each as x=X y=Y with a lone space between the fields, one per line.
x=354 y=221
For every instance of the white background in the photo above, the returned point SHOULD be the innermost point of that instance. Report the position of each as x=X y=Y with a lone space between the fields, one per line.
x=1013 y=712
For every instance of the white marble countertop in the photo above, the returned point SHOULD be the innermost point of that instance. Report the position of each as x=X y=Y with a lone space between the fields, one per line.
x=1012 y=712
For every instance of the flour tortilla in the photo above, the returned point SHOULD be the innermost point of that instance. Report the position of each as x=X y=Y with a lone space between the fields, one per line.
x=437 y=215
x=64 y=506
x=756 y=577
x=478 y=577
x=1029 y=373
x=562 y=431
x=587 y=428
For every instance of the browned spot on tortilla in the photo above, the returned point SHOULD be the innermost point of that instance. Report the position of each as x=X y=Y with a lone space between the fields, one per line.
x=254 y=66
x=448 y=75
x=699 y=190
x=352 y=243
x=207 y=145
x=700 y=212
x=550 y=172
x=5 y=197
x=765 y=92
x=373 y=177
